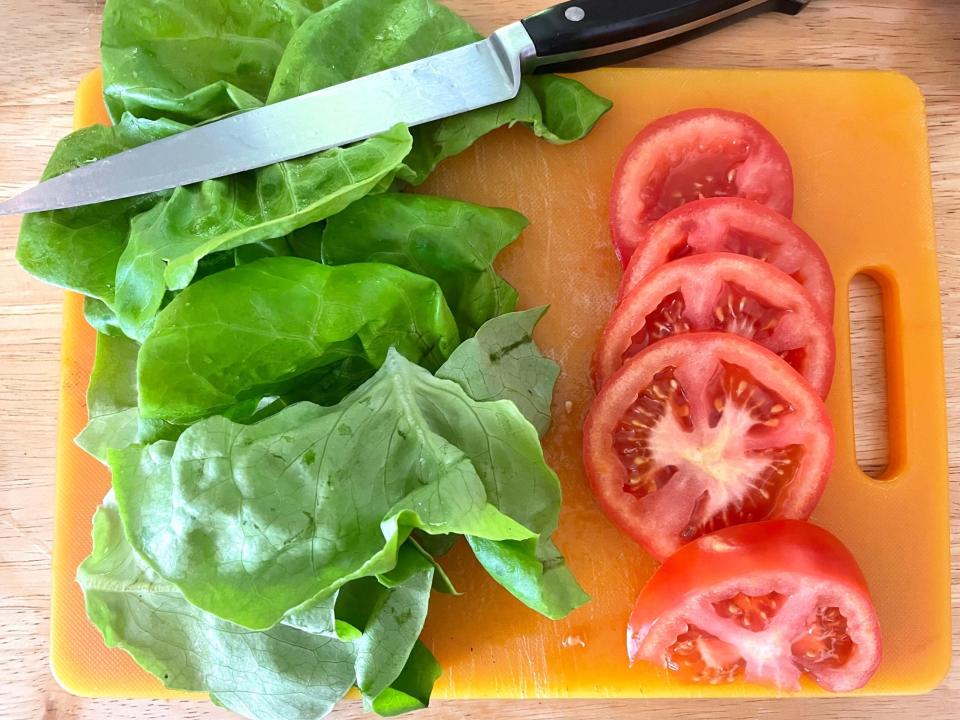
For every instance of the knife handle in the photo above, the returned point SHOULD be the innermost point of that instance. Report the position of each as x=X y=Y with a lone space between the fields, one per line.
x=583 y=34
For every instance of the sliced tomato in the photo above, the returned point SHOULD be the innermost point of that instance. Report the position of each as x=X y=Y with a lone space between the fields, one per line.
x=765 y=602
x=734 y=225
x=702 y=431
x=693 y=155
x=722 y=292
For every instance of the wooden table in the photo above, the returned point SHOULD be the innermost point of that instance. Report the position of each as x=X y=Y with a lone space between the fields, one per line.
x=49 y=44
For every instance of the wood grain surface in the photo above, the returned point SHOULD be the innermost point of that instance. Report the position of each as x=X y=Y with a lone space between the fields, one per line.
x=49 y=44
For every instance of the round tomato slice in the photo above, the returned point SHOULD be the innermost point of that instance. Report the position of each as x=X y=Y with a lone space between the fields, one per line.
x=734 y=225
x=721 y=292
x=693 y=155
x=765 y=602
x=702 y=431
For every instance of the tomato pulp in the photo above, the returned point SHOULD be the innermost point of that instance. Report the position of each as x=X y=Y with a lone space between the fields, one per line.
x=721 y=292
x=734 y=225
x=765 y=602
x=702 y=431
x=692 y=155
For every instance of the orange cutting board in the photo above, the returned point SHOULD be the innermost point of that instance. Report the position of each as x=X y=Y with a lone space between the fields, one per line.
x=858 y=144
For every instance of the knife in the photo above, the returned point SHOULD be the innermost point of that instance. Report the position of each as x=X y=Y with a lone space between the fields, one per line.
x=568 y=37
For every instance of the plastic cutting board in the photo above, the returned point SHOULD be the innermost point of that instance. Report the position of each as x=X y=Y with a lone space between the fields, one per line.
x=858 y=144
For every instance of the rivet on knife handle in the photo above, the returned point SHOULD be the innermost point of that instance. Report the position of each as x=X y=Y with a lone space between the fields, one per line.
x=588 y=33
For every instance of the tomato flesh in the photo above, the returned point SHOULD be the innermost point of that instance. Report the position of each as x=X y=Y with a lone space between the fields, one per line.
x=734 y=225
x=701 y=431
x=709 y=173
x=765 y=602
x=751 y=613
x=696 y=154
x=699 y=657
x=825 y=641
x=726 y=293
x=744 y=484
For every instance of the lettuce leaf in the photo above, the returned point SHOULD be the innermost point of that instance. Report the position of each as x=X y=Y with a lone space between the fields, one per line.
x=271 y=326
x=277 y=674
x=502 y=362
x=101 y=317
x=194 y=61
x=556 y=109
x=114 y=420
x=453 y=242
x=79 y=248
x=412 y=688
x=278 y=506
x=167 y=242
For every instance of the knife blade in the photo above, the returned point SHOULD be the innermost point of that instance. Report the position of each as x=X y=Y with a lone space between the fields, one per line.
x=569 y=36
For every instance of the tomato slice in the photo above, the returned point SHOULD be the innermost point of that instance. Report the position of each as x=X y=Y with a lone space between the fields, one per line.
x=702 y=431
x=734 y=225
x=765 y=602
x=692 y=155
x=721 y=292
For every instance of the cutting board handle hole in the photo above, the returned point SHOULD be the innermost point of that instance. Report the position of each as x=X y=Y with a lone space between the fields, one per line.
x=868 y=355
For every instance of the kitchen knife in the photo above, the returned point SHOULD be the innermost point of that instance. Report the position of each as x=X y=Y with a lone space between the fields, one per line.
x=570 y=36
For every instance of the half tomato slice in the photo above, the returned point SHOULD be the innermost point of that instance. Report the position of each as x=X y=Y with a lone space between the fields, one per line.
x=766 y=602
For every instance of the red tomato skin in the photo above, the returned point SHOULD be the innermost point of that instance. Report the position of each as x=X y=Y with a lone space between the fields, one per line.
x=785 y=547
x=629 y=223
x=706 y=217
x=606 y=474
x=740 y=550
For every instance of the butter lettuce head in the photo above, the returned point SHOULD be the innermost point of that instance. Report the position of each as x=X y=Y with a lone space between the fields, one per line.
x=305 y=379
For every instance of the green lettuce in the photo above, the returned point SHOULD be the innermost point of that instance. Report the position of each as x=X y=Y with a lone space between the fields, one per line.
x=192 y=60
x=79 y=248
x=502 y=362
x=267 y=327
x=286 y=467
x=453 y=242
x=556 y=109
x=275 y=505
x=113 y=408
x=334 y=46
x=267 y=493
x=172 y=64
x=114 y=420
x=167 y=242
x=101 y=317
x=277 y=674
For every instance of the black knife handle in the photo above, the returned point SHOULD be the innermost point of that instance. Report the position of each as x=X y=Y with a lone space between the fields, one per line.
x=587 y=33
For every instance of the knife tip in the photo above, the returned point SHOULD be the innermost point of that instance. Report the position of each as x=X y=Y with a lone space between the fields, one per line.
x=19 y=204
x=10 y=207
